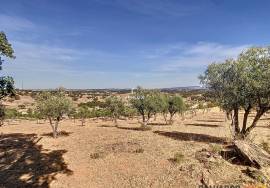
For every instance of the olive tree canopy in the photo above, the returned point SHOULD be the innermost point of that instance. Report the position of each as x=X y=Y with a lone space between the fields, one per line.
x=241 y=84
x=53 y=107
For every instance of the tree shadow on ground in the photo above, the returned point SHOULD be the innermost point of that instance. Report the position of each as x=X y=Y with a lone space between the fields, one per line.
x=192 y=137
x=217 y=118
x=132 y=128
x=108 y=126
x=60 y=134
x=265 y=127
x=202 y=125
x=158 y=124
x=210 y=120
x=23 y=163
x=265 y=119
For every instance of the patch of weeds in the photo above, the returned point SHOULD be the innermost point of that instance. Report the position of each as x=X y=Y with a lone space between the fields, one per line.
x=146 y=128
x=139 y=150
x=215 y=148
x=97 y=155
x=265 y=146
x=178 y=158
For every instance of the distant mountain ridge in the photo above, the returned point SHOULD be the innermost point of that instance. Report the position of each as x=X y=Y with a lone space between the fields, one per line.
x=169 y=89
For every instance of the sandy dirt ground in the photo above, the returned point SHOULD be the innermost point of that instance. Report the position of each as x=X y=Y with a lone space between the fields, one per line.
x=101 y=155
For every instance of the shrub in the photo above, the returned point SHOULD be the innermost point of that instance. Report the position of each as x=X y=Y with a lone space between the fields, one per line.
x=17 y=97
x=97 y=155
x=11 y=113
x=215 y=148
x=21 y=106
x=139 y=150
x=178 y=158
x=265 y=146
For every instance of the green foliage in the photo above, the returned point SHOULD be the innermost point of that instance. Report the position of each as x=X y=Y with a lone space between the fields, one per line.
x=72 y=113
x=147 y=103
x=11 y=113
x=93 y=104
x=100 y=112
x=129 y=112
x=83 y=113
x=6 y=82
x=54 y=107
x=5 y=46
x=115 y=106
x=176 y=105
x=241 y=84
x=6 y=86
x=171 y=104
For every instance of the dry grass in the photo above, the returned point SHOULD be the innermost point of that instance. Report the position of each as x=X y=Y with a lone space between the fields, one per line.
x=101 y=155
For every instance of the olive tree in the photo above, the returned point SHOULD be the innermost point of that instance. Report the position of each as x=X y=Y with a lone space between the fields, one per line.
x=115 y=107
x=147 y=103
x=83 y=113
x=53 y=107
x=241 y=84
x=171 y=104
x=175 y=105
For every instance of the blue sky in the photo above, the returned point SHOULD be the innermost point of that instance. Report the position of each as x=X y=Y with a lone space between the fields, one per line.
x=125 y=43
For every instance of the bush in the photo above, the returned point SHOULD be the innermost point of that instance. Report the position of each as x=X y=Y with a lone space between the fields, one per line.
x=12 y=113
x=265 y=146
x=17 y=97
x=178 y=158
x=215 y=148
x=21 y=106
x=97 y=155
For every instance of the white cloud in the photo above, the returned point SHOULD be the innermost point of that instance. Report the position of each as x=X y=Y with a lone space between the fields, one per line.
x=12 y=23
x=158 y=8
x=198 y=55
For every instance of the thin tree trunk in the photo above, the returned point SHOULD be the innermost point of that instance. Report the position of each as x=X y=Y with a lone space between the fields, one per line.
x=53 y=127
x=165 y=118
x=171 y=118
x=115 y=121
x=83 y=121
x=235 y=121
x=247 y=111
x=143 y=117
x=55 y=133
x=255 y=121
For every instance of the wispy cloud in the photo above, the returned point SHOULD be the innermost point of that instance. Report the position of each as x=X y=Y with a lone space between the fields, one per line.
x=154 y=7
x=13 y=23
x=192 y=56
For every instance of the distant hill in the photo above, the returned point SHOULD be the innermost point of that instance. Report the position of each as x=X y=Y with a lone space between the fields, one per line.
x=127 y=90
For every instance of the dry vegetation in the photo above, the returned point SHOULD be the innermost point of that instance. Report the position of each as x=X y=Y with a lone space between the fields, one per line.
x=186 y=154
